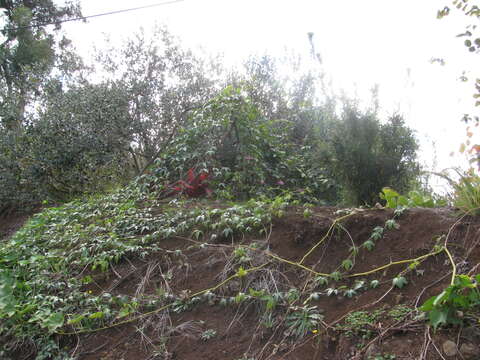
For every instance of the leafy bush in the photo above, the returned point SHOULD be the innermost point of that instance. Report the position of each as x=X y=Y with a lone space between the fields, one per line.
x=369 y=155
x=75 y=146
x=453 y=305
x=246 y=154
x=415 y=198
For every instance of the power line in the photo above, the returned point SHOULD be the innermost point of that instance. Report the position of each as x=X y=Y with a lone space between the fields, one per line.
x=98 y=15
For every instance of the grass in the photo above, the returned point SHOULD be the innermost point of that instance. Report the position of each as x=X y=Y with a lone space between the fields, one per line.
x=466 y=191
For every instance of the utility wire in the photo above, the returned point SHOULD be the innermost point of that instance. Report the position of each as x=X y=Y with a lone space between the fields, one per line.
x=97 y=15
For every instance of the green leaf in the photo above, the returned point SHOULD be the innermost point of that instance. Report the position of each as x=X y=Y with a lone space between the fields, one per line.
x=399 y=282
x=96 y=315
x=54 y=321
x=347 y=264
x=369 y=245
x=241 y=272
x=391 y=224
x=76 y=320
x=437 y=317
x=350 y=293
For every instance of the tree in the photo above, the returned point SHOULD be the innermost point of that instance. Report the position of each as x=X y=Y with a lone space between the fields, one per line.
x=369 y=155
x=27 y=52
x=163 y=83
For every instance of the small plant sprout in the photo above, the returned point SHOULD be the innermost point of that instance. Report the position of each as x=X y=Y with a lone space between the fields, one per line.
x=399 y=282
x=391 y=224
x=321 y=280
x=369 y=245
x=349 y=293
x=292 y=295
x=241 y=297
x=359 y=284
x=377 y=233
x=354 y=250
x=197 y=234
x=336 y=276
x=241 y=254
x=347 y=264
x=303 y=320
x=307 y=211
x=241 y=272
x=374 y=284
x=208 y=334
x=399 y=211
x=331 y=291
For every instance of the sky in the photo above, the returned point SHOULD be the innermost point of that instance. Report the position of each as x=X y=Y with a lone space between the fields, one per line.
x=389 y=43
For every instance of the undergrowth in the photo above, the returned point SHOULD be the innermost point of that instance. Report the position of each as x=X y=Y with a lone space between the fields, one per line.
x=45 y=267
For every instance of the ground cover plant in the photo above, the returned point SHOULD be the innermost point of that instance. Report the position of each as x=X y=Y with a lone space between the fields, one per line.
x=134 y=258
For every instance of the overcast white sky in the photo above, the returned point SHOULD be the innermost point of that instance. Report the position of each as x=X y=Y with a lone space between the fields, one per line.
x=362 y=43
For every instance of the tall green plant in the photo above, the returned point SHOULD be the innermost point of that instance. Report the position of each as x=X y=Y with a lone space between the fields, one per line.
x=369 y=155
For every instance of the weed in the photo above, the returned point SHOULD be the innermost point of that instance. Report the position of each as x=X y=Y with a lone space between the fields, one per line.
x=46 y=259
x=391 y=224
x=208 y=334
x=414 y=199
x=399 y=281
x=399 y=312
x=360 y=323
x=302 y=320
x=450 y=306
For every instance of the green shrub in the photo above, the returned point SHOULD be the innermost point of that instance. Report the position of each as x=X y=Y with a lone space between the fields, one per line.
x=246 y=154
x=369 y=155
x=414 y=198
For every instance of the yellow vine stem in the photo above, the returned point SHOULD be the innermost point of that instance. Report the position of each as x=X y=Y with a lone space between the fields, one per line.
x=298 y=264
x=392 y=263
x=326 y=235
x=454 y=266
x=141 y=316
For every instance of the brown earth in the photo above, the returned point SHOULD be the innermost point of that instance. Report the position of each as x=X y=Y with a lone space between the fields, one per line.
x=237 y=329
x=11 y=222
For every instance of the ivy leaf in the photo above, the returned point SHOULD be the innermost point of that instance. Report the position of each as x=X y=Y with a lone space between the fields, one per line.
x=391 y=224
x=369 y=245
x=96 y=315
x=54 y=321
x=399 y=282
x=321 y=280
x=350 y=293
x=347 y=264
x=437 y=317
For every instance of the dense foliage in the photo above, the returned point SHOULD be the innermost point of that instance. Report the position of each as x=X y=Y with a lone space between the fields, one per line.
x=370 y=155
x=159 y=110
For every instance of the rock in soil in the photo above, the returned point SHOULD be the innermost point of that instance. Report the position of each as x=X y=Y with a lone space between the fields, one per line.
x=470 y=351
x=449 y=348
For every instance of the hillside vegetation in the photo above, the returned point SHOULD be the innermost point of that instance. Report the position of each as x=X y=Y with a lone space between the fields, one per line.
x=182 y=210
